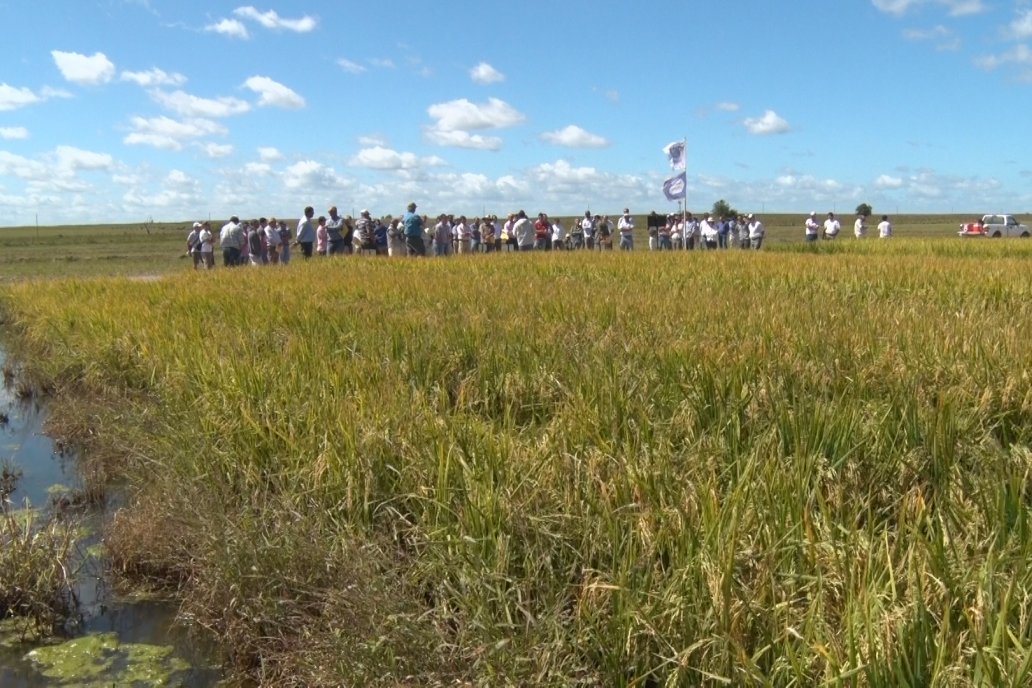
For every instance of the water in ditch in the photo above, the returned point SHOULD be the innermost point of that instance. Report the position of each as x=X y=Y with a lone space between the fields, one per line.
x=119 y=641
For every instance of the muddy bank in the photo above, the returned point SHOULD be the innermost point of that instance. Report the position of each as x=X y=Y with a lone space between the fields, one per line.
x=110 y=639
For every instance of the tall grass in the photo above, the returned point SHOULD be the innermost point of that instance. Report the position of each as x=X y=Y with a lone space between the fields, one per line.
x=721 y=468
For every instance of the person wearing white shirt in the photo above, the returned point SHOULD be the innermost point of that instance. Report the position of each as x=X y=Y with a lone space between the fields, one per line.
x=811 y=227
x=708 y=231
x=558 y=235
x=691 y=229
x=677 y=234
x=231 y=238
x=523 y=230
x=860 y=226
x=463 y=235
x=884 y=228
x=756 y=232
x=207 y=246
x=442 y=236
x=831 y=227
x=625 y=225
x=588 y=229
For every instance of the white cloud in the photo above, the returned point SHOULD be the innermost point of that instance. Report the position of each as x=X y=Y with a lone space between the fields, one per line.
x=1021 y=27
x=382 y=62
x=312 y=176
x=72 y=159
x=259 y=169
x=86 y=70
x=154 y=77
x=217 y=150
x=885 y=181
x=187 y=105
x=382 y=158
x=462 y=139
x=169 y=134
x=12 y=165
x=728 y=106
x=955 y=8
x=349 y=66
x=274 y=94
x=12 y=133
x=269 y=154
x=484 y=73
x=272 y=20
x=229 y=27
x=371 y=141
x=573 y=136
x=12 y=98
x=943 y=38
x=1018 y=55
x=770 y=123
x=463 y=115
x=179 y=190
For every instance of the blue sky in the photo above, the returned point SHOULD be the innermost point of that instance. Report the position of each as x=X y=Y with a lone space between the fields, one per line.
x=126 y=110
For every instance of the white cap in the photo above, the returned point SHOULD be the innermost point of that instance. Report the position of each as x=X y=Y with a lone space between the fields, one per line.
x=750 y=216
x=197 y=225
x=813 y=214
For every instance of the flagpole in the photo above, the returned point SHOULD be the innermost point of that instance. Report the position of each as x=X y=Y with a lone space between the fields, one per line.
x=684 y=206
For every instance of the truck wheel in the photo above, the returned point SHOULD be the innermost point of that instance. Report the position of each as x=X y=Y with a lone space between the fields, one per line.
x=997 y=235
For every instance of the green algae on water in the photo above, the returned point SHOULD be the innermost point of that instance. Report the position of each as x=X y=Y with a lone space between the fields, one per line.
x=100 y=660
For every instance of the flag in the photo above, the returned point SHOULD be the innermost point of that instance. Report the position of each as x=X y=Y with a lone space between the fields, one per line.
x=675 y=151
x=674 y=188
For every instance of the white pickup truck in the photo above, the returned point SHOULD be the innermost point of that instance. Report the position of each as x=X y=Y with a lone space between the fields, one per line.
x=995 y=226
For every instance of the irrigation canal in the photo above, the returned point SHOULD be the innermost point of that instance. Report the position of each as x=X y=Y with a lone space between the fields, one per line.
x=117 y=641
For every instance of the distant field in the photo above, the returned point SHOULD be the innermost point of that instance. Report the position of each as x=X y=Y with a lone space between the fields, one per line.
x=153 y=249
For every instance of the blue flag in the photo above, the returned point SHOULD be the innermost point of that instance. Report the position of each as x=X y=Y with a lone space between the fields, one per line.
x=674 y=188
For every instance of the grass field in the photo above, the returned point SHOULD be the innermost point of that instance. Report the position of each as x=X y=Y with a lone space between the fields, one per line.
x=803 y=466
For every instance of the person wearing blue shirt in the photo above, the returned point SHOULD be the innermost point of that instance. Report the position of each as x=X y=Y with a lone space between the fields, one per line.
x=414 y=232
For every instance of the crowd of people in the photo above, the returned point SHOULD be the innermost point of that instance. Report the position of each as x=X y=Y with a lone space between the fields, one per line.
x=270 y=241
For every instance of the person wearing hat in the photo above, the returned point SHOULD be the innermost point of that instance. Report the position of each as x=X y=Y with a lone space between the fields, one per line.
x=708 y=232
x=193 y=245
x=625 y=225
x=414 y=231
x=811 y=227
x=365 y=233
x=756 y=232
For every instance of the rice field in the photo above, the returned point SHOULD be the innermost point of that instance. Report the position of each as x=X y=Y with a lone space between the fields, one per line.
x=795 y=467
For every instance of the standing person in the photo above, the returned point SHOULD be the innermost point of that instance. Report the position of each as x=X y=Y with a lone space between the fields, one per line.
x=884 y=228
x=306 y=233
x=756 y=232
x=577 y=233
x=204 y=236
x=709 y=233
x=395 y=238
x=475 y=236
x=322 y=237
x=245 y=245
x=860 y=226
x=414 y=232
x=743 y=232
x=193 y=245
x=488 y=236
x=810 y=227
x=691 y=230
x=677 y=233
x=588 y=226
x=442 y=236
x=380 y=237
x=831 y=227
x=664 y=233
x=462 y=235
x=558 y=235
x=625 y=225
x=724 y=231
x=255 y=245
x=284 y=235
x=523 y=232
x=365 y=233
x=334 y=232
x=231 y=238
x=542 y=233
x=604 y=234
x=272 y=240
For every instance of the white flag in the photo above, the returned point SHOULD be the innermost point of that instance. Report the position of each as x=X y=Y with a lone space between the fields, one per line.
x=675 y=151
x=675 y=187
